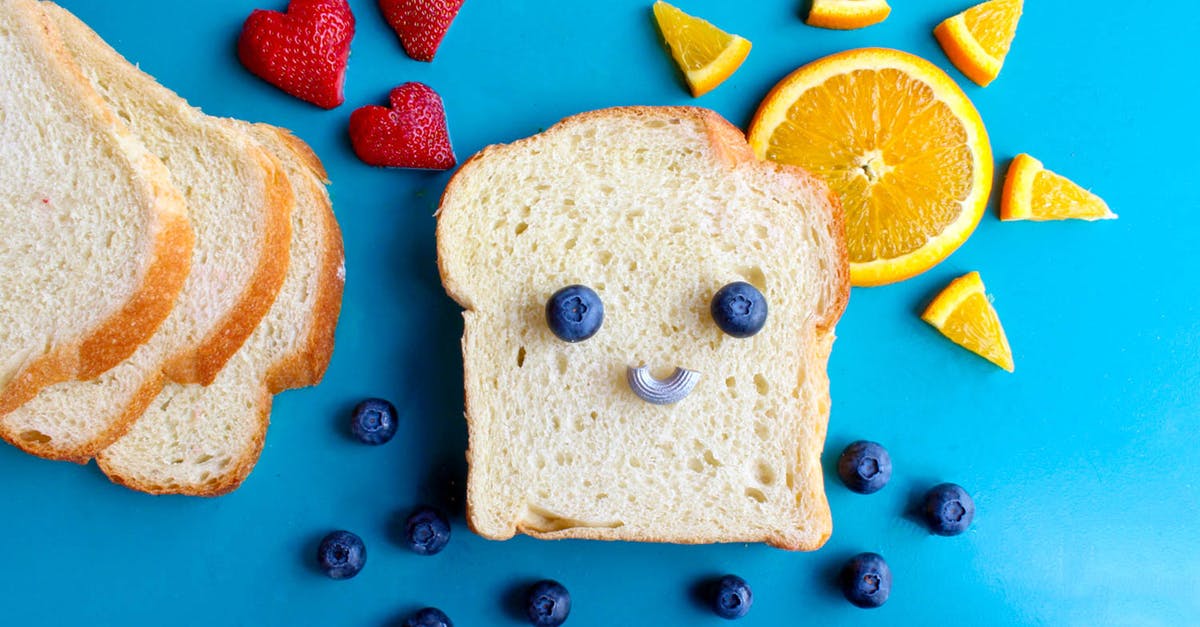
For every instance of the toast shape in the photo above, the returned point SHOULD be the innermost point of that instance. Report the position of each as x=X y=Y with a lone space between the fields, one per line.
x=94 y=240
x=205 y=440
x=654 y=208
x=240 y=203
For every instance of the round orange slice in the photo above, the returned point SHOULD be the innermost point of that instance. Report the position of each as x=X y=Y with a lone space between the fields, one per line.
x=901 y=145
x=706 y=54
x=1031 y=192
x=847 y=14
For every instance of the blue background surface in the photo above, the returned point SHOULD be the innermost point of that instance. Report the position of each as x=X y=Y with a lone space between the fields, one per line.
x=1082 y=464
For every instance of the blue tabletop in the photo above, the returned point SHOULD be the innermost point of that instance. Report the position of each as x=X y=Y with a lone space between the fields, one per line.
x=1080 y=462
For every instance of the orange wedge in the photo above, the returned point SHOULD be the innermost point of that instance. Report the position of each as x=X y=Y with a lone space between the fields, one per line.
x=898 y=141
x=978 y=39
x=706 y=54
x=963 y=313
x=847 y=14
x=1031 y=192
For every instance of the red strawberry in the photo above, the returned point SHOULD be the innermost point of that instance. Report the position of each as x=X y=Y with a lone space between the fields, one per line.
x=421 y=24
x=412 y=134
x=304 y=51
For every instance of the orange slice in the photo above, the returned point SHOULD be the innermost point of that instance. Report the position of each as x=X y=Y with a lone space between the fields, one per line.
x=1031 y=192
x=706 y=54
x=898 y=141
x=978 y=39
x=847 y=14
x=963 y=313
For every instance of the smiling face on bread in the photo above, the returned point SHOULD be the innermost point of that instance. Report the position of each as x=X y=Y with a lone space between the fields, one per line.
x=605 y=426
x=674 y=353
x=576 y=313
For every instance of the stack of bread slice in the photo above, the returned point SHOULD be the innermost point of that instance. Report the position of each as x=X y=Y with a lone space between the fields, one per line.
x=165 y=272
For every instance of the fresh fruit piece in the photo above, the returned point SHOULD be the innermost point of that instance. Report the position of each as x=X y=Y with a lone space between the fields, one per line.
x=847 y=14
x=420 y=24
x=739 y=309
x=866 y=580
x=428 y=617
x=373 y=421
x=898 y=141
x=948 y=509
x=706 y=54
x=342 y=555
x=411 y=134
x=303 y=51
x=1031 y=192
x=963 y=313
x=733 y=597
x=427 y=531
x=574 y=313
x=865 y=467
x=549 y=604
x=978 y=39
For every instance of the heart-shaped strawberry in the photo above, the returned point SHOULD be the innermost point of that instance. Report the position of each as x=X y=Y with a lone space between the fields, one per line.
x=303 y=51
x=411 y=134
x=421 y=24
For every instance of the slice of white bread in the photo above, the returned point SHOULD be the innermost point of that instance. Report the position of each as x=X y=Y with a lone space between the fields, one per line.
x=204 y=441
x=655 y=208
x=94 y=240
x=240 y=204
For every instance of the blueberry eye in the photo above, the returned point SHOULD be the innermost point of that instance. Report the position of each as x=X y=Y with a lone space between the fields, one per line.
x=574 y=313
x=739 y=309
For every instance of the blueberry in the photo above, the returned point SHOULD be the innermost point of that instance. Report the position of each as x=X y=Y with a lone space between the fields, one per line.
x=574 y=313
x=865 y=467
x=949 y=510
x=739 y=309
x=429 y=617
x=427 y=531
x=342 y=554
x=374 y=421
x=733 y=597
x=866 y=580
x=549 y=604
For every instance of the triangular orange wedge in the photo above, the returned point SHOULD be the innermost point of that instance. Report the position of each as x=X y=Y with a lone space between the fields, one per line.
x=1031 y=192
x=706 y=54
x=978 y=39
x=963 y=313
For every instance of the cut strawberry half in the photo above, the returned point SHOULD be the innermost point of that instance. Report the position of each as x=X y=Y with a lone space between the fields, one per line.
x=421 y=24
x=303 y=51
x=411 y=134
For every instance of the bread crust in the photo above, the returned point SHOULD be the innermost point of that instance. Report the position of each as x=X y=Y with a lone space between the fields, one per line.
x=730 y=146
x=302 y=367
x=201 y=363
x=207 y=358
x=307 y=366
x=169 y=250
x=217 y=486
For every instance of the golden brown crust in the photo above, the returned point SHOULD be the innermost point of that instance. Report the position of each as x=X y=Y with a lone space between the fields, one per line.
x=149 y=307
x=169 y=257
x=83 y=453
x=302 y=151
x=302 y=367
x=730 y=145
x=201 y=363
x=307 y=366
x=218 y=485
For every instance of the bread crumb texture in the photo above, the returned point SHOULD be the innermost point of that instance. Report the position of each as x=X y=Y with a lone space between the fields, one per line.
x=655 y=209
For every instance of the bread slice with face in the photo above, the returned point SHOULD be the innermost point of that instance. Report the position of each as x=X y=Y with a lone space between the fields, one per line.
x=661 y=426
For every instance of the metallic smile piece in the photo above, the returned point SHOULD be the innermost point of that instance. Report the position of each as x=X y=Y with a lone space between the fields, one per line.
x=665 y=392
